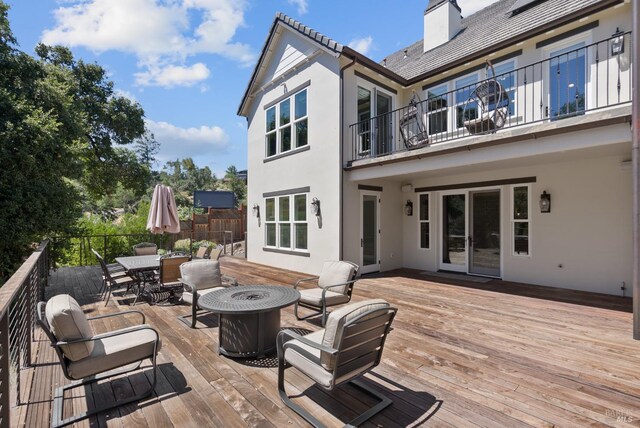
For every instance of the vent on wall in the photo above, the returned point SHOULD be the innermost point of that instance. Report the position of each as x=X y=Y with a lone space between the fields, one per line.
x=521 y=5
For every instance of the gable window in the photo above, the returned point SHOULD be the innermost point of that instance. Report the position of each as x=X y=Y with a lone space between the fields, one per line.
x=424 y=221
x=287 y=125
x=286 y=222
x=520 y=219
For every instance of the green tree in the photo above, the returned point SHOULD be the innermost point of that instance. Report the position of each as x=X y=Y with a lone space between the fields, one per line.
x=185 y=177
x=63 y=134
x=236 y=185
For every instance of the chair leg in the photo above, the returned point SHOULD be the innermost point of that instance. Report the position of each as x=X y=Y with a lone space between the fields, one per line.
x=287 y=401
x=108 y=291
x=300 y=318
x=383 y=404
x=58 y=399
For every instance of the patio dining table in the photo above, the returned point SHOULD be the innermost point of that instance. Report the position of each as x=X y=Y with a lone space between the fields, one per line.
x=140 y=267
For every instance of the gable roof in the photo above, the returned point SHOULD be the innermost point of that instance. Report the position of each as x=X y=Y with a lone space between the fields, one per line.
x=308 y=32
x=487 y=29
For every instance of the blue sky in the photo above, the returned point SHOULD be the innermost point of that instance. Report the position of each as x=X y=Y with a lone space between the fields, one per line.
x=187 y=62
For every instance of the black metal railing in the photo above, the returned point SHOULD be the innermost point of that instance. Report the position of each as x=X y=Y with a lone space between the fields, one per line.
x=571 y=83
x=18 y=299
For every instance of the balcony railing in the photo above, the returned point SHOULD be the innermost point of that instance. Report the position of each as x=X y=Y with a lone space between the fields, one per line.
x=18 y=299
x=570 y=83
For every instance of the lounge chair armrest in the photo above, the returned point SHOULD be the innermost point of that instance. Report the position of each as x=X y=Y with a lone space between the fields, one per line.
x=348 y=283
x=231 y=280
x=118 y=314
x=295 y=286
x=111 y=334
x=282 y=345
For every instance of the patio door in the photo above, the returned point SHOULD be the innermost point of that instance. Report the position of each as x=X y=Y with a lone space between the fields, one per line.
x=470 y=232
x=484 y=232
x=369 y=232
x=454 y=232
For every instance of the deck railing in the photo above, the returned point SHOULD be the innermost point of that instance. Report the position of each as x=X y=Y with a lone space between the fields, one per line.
x=18 y=299
x=571 y=83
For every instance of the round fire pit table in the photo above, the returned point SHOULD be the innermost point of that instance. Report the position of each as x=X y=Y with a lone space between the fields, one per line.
x=249 y=317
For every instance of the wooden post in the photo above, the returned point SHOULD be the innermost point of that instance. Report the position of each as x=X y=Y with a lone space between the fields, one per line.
x=635 y=129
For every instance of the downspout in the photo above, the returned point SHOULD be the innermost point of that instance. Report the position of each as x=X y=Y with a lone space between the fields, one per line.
x=340 y=232
x=635 y=130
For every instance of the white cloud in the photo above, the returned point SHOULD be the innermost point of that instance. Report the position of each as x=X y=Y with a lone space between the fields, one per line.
x=126 y=94
x=160 y=33
x=176 y=142
x=173 y=75
x=302 y=5
x=470 y=7
x=362 y=45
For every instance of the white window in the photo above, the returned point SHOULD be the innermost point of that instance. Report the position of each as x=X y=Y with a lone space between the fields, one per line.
x=437 y=110
x=465 y=111
x=424 y=221
x=506 y=76
x=287 y=124
x=521 y=219
x=286 y=222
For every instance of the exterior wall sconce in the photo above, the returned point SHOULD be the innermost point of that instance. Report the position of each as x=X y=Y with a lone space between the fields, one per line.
x=256 y=210
x=617 y=44
x=315 y=206
x=408 y=208
x=545 y=202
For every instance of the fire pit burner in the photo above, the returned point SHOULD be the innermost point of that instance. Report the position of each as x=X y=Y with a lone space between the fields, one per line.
x=250 y=295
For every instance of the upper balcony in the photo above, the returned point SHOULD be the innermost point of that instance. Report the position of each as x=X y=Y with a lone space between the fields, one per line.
x=576 y=81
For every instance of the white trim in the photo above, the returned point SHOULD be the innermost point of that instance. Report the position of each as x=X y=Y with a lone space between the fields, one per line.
x=291 y=222
x=513 y=221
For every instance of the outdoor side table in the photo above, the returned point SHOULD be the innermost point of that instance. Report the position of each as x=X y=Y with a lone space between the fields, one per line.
x=249 y=317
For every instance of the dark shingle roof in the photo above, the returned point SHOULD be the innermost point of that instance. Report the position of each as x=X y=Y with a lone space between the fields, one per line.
x=488 y=27
x=435 y=3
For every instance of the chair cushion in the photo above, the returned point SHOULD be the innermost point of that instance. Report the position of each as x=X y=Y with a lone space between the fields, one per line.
x=309 y=363
x=113 y=352
x=338 y=318
x=68 y=322
x=145 y=251
x=203 y=274
x=314 y=297
x=334 y=273
x=187 y=296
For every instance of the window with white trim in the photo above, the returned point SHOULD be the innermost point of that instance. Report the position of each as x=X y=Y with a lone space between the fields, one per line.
x=521 y=219
x=465 y=111
x=287 y=125
x=423 y=219
x=286 y=222
x=506 y=76
x=437 y=110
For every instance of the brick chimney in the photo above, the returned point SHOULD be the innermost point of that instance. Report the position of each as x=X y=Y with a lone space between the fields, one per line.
x=442 y=21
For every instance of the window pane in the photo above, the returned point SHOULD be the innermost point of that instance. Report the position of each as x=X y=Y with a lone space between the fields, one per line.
x=285 y=112
x=424 y=235
x=271 y=119
x=271 y=235
x=465 y=113
x=300 y=207
x=285 y=235
x=521 y=237
x=465 y=87
x=284 y=209
x=272 y=144
x=270 y=214
x=301 y=133
x=301 y=104
x=301 y=236
x=285 y=139
x=438 y=122
x=424 y=207
x=520 y=203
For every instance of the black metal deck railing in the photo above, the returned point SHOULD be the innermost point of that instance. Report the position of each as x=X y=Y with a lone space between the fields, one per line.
x=18 y=299
x=570 y=83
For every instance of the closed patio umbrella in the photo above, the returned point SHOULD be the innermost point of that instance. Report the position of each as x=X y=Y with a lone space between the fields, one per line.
x=163 y=214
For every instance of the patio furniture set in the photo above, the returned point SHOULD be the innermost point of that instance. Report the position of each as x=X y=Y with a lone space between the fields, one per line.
x=349 y=345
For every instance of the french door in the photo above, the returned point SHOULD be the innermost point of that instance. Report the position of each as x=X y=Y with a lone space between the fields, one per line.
x=470 y=232
x=369 y=232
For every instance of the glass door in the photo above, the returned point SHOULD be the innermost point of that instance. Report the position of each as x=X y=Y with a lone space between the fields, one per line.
x=484 y=232
x=567 y=82
x=383 y=125
x=369 y=241
x=454 y=233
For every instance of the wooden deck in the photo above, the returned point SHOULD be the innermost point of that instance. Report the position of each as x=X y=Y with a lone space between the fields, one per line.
x=462 y=353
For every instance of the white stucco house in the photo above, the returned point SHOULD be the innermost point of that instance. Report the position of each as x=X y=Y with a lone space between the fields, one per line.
x=413 y=165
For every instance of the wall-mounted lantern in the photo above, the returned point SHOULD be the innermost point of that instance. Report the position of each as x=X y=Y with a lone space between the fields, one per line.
x=408 y=208
x=315 y=206
x=617 y=43
x=545 y=202
x=256 y=210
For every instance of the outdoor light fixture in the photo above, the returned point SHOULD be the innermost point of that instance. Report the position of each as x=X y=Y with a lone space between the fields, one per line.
x=408 y=208
x=315 y=206
x=545 y=202
x=256 y=210
x=617 y=44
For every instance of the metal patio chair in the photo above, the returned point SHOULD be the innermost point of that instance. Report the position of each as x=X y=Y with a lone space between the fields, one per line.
x=334 y=287
x=349 y=346
x=200 y=277
x=113 y=279
x=87 y=357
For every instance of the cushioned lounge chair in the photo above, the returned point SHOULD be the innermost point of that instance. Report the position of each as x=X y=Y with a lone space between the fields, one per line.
x=145 y=249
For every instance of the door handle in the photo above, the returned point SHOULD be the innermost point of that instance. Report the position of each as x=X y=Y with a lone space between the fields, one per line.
x=470 y=239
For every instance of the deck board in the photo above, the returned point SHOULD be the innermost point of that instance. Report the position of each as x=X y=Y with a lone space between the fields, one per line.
x=461 y=354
